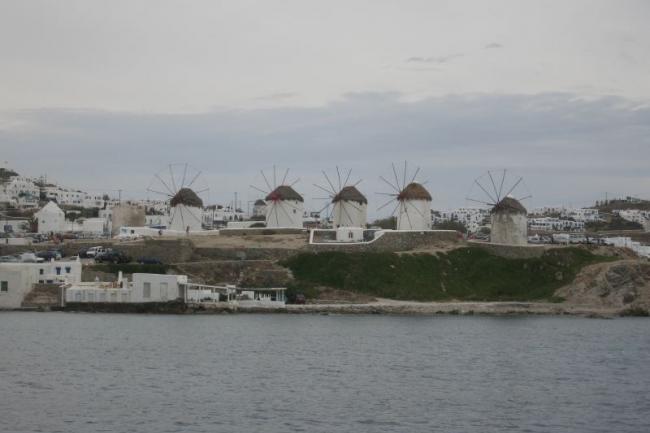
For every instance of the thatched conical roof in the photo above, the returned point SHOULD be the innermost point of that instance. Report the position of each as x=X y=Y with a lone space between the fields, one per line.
x=284 y=192
x=414 y=191
x=187 y=197
x=509 y=205
x=350 y=193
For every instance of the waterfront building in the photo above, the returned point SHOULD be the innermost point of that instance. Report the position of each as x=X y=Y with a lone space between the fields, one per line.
x=19 y=279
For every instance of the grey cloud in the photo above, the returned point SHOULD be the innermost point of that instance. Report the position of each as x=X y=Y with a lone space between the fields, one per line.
x=569 y=149
x=433 y=59
x=493 y=45
x=277 y=96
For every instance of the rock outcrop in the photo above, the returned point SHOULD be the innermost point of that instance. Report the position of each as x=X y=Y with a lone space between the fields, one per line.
x=623 y=284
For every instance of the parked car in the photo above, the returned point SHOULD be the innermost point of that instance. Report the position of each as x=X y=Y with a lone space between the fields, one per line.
x=49 y=255
x=9 y=259
x=30 y=258
x=112 y=256
x=94 y=251
x=149 y=261
x=300 y=299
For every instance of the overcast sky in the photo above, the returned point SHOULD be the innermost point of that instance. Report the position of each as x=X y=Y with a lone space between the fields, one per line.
x=102 y=94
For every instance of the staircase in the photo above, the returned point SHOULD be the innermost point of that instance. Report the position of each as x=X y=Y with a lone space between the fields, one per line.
x=43 y=296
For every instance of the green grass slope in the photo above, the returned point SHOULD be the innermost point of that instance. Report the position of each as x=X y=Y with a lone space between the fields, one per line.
x=467 y=274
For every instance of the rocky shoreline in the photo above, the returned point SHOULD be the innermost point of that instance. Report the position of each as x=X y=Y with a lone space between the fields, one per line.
x=381 y=307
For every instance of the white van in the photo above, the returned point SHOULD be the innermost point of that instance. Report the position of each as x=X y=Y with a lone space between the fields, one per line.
x=92 y=252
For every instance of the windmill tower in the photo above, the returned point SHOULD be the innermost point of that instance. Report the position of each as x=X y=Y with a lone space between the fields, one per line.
x=412 y=201
x=349 y=207
x=499 y=190
x=284 y=206
x=175 y=183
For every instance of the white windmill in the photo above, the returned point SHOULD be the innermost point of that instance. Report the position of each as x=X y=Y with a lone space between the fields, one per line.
x=503 y=193
x=348 y=206
x=181 y=185
x=412 y=201
x=284 y=206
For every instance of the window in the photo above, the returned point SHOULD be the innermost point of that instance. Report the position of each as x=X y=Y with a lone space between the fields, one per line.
x=58 y=270
x=163 y=291
x=67 y=269
x=4 y=286
x=41 y=271
x=146 y=290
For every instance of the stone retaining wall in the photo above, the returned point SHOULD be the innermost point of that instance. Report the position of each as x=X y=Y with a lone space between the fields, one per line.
x=514 y=251
x=394 y=241
x=243 y=253
x=261 y=231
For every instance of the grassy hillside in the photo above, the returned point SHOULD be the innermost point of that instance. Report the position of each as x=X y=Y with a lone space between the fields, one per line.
x=469 y=274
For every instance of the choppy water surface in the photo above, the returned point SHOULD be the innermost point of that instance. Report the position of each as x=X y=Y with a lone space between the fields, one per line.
x=276 y=373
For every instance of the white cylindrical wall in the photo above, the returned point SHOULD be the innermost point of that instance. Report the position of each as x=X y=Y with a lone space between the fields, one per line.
x=509 y=228
x=414 y=215
x=349 y=214
x=182 y=217
x=284 y=214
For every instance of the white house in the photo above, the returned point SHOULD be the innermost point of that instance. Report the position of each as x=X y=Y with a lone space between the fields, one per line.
x=414 y=211
x=284 y=208
x=142 y=289
x=18 y=279
x=156 y=287
x=259 y=208
x=555 y=224
x=51 y=219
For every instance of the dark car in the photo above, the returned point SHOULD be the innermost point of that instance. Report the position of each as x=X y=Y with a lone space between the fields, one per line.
x=82 y=253
x=49 y=255
x=299 y=299
x=149 y=261
x=112 y=256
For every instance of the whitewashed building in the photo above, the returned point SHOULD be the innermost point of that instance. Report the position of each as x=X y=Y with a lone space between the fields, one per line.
x=18 y=279
x=635 y=215
x=50 y=219
x=259 y=208
x=143 y=288
x=472 y=218
x=555 y=224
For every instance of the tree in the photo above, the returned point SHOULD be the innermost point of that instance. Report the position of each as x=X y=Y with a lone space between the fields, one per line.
x=451 y=225
x=386 y=223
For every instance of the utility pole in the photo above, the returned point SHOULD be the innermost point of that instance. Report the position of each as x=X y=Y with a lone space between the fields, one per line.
x=119 y=195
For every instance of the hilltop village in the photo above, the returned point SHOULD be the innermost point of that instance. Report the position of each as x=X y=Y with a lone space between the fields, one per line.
x=65 y=248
